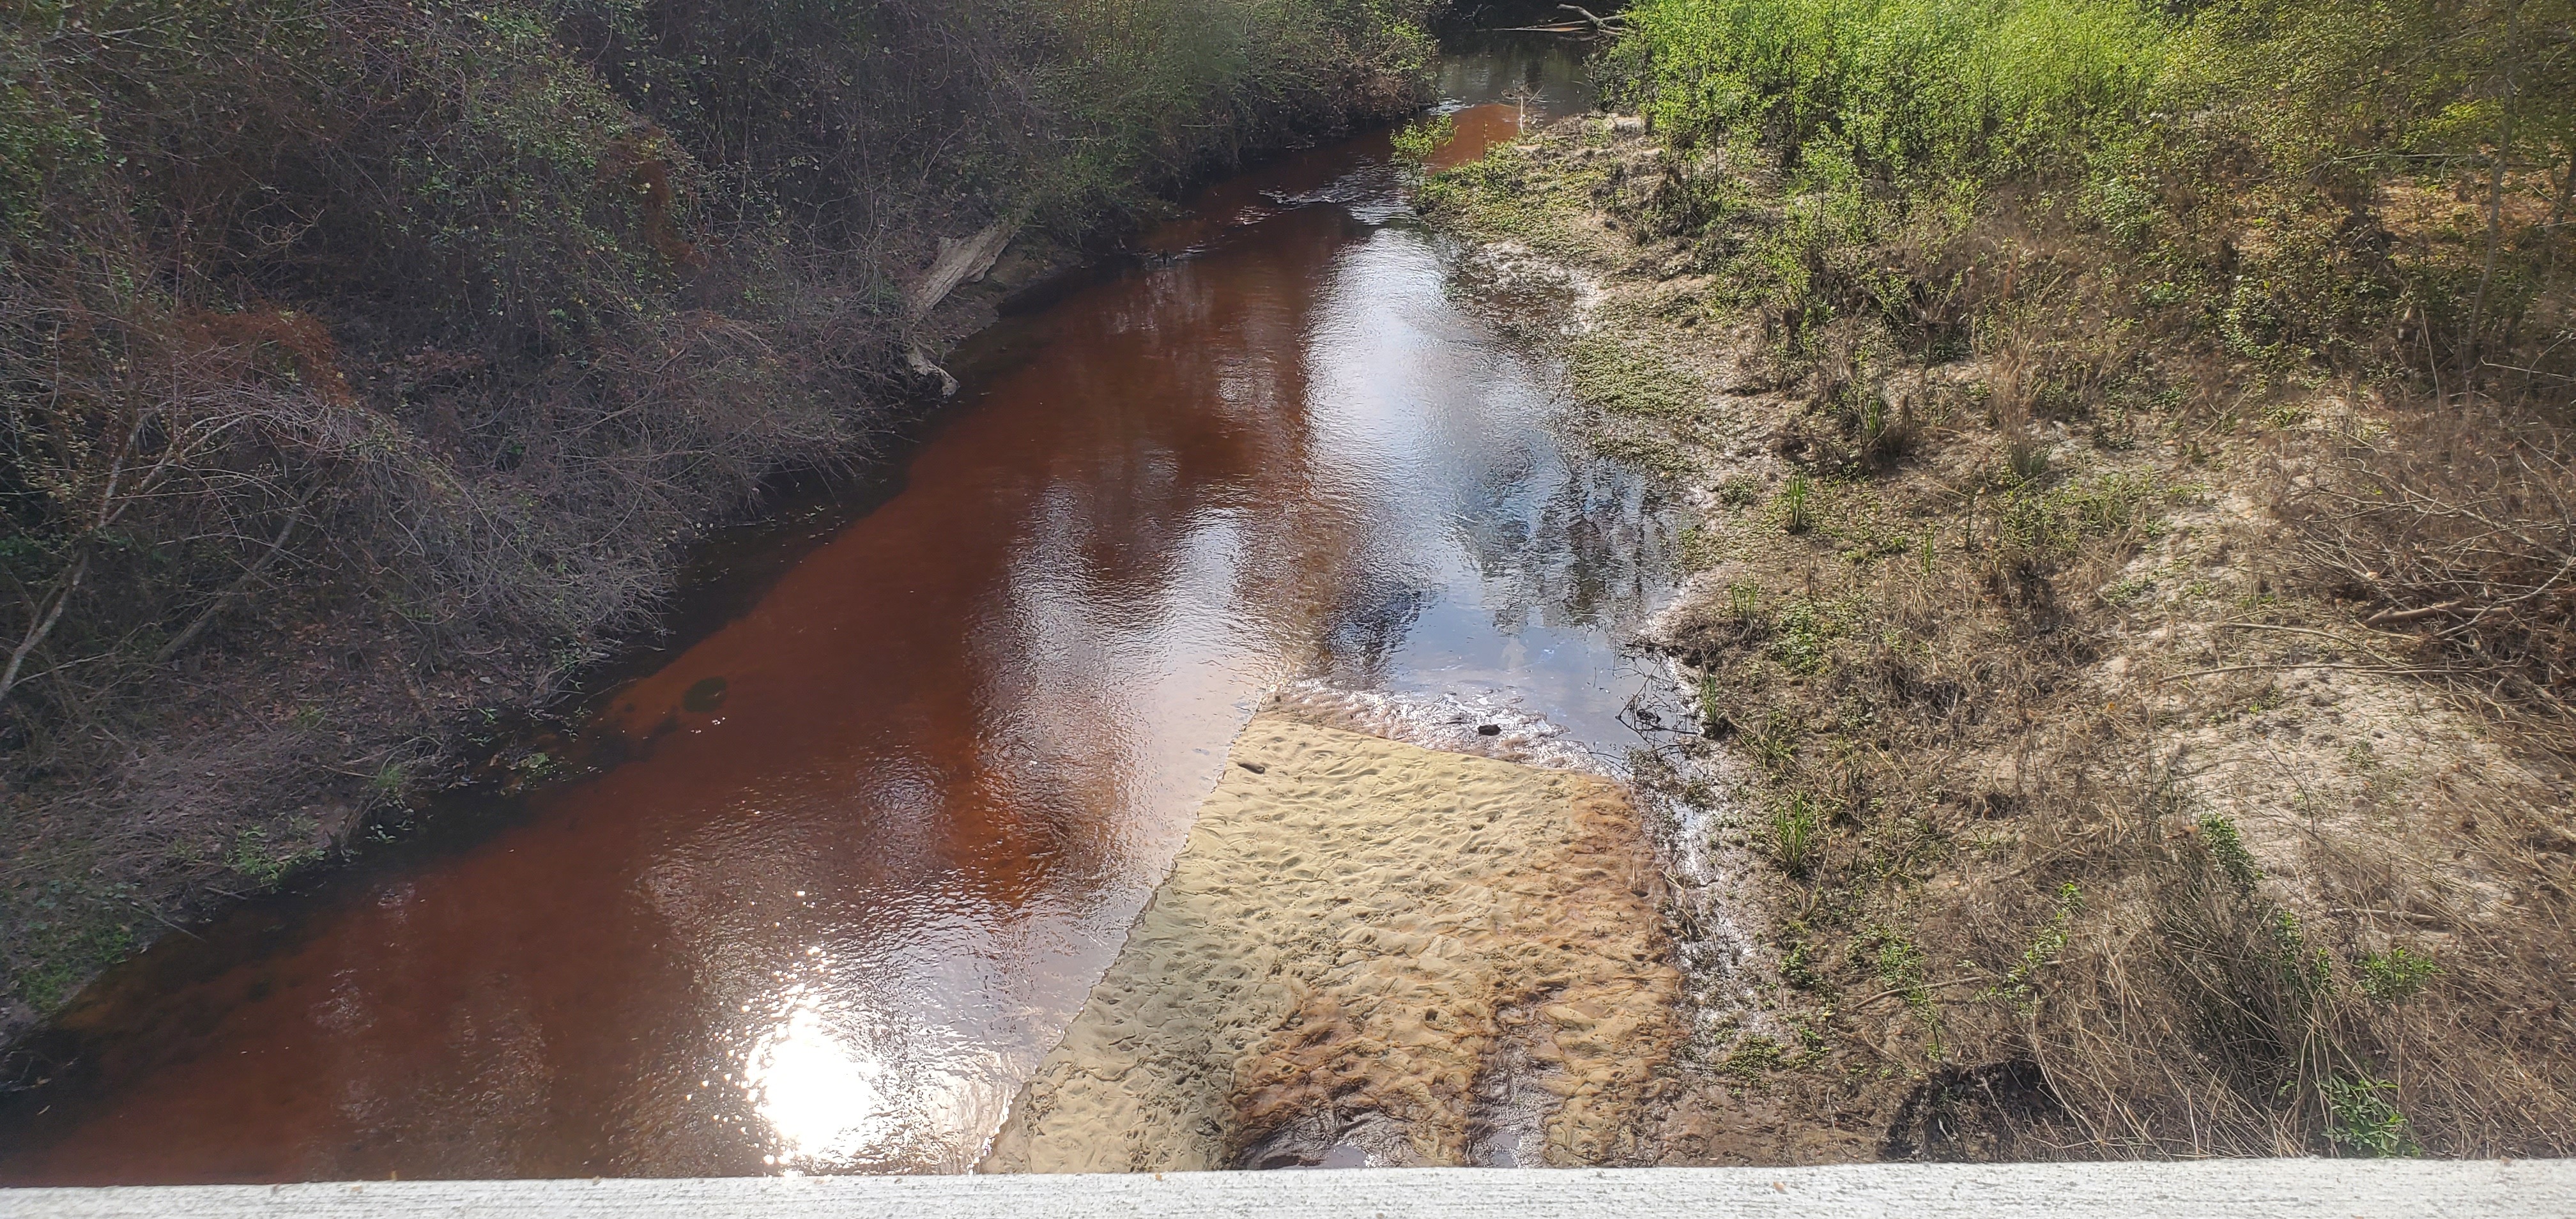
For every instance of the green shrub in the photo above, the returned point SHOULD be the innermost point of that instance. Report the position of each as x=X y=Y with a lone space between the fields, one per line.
x=1417 y=141
x=2227 y=847
x=1892 y=88
x=2364 y=1118
x=2395 y=974
x=2234 y=148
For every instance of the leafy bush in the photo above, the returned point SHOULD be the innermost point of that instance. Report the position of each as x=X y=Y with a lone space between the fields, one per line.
x=2366 y=1120
x=1840 y=90
x=1416 y=141
x=2237 y=147
x=2395 y=974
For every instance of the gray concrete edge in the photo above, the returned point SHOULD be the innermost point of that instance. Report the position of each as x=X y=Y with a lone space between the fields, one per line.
x=2304 y=1189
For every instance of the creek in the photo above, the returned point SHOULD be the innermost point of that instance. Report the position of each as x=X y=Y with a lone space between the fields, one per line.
x=879 y=828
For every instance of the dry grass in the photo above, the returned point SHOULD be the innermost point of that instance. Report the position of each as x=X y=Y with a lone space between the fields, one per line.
x=2103 y=807
x=2454 y=525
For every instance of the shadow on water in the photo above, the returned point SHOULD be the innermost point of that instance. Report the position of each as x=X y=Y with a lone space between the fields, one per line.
x=888 y=807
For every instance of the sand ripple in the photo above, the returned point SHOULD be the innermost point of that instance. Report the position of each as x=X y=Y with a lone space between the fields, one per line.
x=1371 y=952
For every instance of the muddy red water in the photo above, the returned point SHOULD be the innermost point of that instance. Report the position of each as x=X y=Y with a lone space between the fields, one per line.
x=878 y=834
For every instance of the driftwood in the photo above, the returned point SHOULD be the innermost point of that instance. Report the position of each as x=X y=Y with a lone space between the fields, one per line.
x=1611 y=24
x=958 y=262
x=927 y=369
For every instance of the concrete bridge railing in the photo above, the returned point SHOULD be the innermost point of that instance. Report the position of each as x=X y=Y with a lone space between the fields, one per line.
x=2267 y=1189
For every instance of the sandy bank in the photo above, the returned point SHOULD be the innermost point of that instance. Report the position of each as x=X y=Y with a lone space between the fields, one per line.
x=1371 y=952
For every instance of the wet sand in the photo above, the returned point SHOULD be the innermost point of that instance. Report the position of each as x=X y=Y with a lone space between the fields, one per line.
x=1371 y=953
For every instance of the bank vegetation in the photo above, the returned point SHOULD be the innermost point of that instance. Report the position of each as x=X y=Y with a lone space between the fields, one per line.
x=2135 y=616
x=364 y=362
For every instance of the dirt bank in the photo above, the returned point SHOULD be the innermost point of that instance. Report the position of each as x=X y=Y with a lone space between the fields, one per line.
x=2084 y=816
x=1371 y=952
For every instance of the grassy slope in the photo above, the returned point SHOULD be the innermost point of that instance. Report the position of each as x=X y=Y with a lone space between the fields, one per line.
x=2103 y=806
x=363 y=363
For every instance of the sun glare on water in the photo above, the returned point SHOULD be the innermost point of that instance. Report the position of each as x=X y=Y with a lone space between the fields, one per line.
x=821 y=1090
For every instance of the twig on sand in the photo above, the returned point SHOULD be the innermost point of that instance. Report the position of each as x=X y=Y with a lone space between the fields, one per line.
x=2398 y=615
x=2390 y=670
